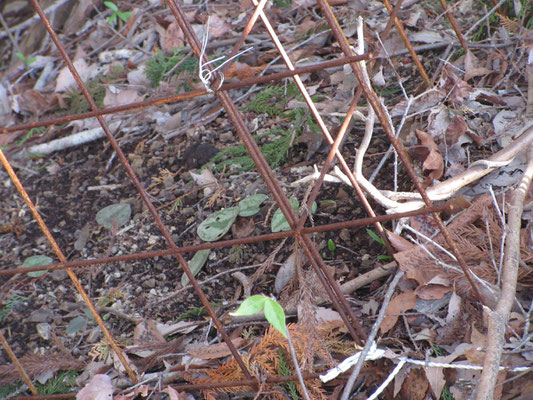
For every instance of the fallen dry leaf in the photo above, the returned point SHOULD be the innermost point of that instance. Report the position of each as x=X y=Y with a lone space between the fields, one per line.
x=98 y=388
x=242 y=228
x=116 y=97
x=173 y=394
x=455 y=129
x=142 y=390
x=217 y=26
x=214 y=351
x=173 y=37
x=432 y=292
x=476 y=353
x=65 y=80
x=415 y=385
x=435 y=375
x=428 y=153
x=399 y=304
x=146 y=332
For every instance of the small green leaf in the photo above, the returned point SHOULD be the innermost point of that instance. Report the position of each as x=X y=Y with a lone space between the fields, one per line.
x=112 y=19
x=196 y=264
x=21 y=57
x=111 y=6
x=375 y=236
x=313 y=207
x=275 y=315
x=331 y=246
x=279 y=222
x=120 y=213
x=124 y=16
x=252 y=305
x=250 y=205
x=36 y=261
x=384 y=257
x=217 y=224
x=76 y=325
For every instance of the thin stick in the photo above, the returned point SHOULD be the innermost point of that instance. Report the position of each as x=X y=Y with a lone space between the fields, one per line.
x=371 y=336
x=499 y=317
x=297 y=366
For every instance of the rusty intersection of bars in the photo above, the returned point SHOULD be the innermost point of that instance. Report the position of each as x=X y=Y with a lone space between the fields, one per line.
x=298 y=231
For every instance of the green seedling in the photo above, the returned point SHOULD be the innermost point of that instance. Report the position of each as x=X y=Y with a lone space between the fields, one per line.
x=196 y=264
x=377 y=238
x=160 y=65
x=25 y=60
x=235 y=159
x=219 y=223
x=76 y=325
x=114 y=216
x=331 y=246
x=272 y=99
x=274 y=143
x=279 y=222
x=113 y=18
x=36 y=261
x=64 y=382
x=273 y=311
x=282 y=3
x=77 y=103
x=275 y=315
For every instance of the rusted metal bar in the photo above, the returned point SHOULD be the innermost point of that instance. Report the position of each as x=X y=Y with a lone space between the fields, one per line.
x=456 y=28
x=392 y=15
x=185 y=96
x=62 y=258
x=17 y=364
x=146 y=200
x=322 y=272
x=325 y=168
x=245 y=33
x=227 y=243
x=408 y=44
x=397 y=144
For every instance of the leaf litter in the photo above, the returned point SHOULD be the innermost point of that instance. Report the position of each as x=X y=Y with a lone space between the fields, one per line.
x=478 y=107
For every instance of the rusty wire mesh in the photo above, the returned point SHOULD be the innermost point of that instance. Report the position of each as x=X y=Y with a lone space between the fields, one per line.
x=298 y=231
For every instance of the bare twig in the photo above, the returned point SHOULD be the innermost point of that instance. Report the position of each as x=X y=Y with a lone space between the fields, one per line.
x=499 y=317
x=371 y=336
x=297 y=367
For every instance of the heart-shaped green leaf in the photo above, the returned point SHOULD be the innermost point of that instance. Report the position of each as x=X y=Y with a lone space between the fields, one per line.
x=279 y=222
x=217 y=224
x=250 y=205
x=252 y=305
x=76 y=325
x=120 y=213
x=36 y=261
x=196 y=264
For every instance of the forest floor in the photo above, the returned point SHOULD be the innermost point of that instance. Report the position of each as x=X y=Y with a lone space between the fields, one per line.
x=190 y=161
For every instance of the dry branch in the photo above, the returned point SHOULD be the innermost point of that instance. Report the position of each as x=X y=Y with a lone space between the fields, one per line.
x=499 y=317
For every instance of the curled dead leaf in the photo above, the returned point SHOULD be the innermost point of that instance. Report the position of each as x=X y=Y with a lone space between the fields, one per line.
x=399 y=304
x=428 y=153
x=214 y=351
x=98 y=388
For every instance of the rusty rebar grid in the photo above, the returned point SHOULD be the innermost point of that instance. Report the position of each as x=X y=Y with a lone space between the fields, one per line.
x=227 y=243
x=298 y=231
x=398 y=146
